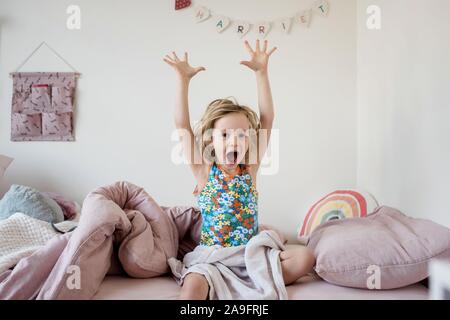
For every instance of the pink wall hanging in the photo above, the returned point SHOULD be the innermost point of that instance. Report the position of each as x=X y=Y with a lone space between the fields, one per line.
x=43 y=104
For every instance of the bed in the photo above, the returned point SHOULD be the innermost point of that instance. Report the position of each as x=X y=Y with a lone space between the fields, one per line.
x=104 y=216
x=306 y=288
x=310 y=287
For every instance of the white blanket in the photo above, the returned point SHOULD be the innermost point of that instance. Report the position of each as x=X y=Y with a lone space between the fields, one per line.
x=20 y=236
x=246 y=272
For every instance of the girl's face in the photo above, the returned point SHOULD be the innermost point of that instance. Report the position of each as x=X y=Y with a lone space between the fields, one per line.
x=230 y=139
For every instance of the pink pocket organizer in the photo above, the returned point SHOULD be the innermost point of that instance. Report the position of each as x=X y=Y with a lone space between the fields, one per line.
x=55 y=124
x=26 y=125
x=42 y=106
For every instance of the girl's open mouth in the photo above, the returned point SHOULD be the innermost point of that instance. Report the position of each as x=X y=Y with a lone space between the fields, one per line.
x=232 y=157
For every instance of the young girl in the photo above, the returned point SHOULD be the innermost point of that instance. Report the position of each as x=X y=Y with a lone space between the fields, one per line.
x=225 y=166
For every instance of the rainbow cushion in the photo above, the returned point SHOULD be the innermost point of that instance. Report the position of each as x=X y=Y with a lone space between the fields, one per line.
x=337 y=205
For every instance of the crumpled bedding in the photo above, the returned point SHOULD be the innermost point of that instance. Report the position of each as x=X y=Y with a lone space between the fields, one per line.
x=118 y=222
x=251 y=271
x=122 y=229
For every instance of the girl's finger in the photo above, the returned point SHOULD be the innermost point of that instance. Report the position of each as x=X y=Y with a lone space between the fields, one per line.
x=272 y=50
x=186 y=56
x=258 y=48
x=198 y=69
x=169 y=58
x=169 y=62
x=265 y=46
x=249 y=48
x=175 y=56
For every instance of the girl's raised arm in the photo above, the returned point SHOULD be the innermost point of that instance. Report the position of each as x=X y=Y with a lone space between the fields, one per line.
x=182 y=122
x=259 y=60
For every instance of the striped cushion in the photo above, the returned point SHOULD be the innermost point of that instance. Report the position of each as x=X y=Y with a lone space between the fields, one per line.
x=337 y=205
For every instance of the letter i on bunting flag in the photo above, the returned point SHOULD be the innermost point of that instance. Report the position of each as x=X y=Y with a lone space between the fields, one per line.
x=285 y=24
x=181 y=4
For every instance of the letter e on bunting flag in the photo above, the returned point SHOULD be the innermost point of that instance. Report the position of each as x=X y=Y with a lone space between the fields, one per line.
x=304 y=18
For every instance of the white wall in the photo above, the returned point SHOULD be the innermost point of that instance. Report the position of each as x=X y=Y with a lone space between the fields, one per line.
x=404 y=106
x=124 y=116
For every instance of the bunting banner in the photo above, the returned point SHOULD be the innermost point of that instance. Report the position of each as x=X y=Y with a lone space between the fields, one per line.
x=221 y=22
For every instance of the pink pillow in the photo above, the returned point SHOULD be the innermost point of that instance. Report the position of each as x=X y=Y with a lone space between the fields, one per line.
x=386 y=248
x=68 y=207
x=339 y=204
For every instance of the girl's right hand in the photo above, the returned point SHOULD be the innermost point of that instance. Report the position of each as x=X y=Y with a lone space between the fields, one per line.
x=182 y=67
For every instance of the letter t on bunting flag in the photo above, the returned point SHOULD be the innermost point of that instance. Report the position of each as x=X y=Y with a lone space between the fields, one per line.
x=181 y=4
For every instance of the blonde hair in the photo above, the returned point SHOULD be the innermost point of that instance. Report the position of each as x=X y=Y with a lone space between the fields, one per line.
x=218 y=109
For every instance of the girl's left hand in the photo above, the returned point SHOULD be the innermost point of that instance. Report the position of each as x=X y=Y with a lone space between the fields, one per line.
x=259 y=58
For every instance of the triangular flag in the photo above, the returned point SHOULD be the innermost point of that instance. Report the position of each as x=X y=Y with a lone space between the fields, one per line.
x=180 y=4
x=285 y=24
x=222 y=23
x=263 y=28
x=201 y=14
x=321 y=7
x=304 y=18
x=241 y=28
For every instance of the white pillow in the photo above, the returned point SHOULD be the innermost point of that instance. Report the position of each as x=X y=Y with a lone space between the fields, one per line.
x=4 y=163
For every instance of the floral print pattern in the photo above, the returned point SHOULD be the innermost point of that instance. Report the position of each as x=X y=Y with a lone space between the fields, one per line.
x=229 y=208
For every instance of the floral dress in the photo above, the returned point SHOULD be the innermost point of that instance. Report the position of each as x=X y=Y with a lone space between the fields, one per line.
x=229 y=208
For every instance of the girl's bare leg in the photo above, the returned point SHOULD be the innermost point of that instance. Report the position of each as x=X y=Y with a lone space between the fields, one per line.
x=296 y=263
x=195 y=287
